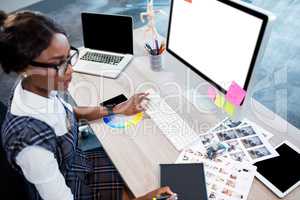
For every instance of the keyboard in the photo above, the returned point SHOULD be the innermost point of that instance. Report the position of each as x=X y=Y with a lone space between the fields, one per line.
x=177 y=131
x=102 y=58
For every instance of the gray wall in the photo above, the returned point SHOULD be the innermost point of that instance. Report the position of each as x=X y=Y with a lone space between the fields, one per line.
x=13 y=5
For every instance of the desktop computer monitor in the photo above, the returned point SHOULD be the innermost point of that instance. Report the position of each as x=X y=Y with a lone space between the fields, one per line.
x=218 y=39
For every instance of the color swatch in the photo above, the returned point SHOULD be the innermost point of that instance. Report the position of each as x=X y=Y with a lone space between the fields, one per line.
x=122 y=121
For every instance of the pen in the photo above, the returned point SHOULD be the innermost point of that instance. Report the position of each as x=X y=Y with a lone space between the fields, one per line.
x=149 y=49
x=162 y=197
x=148 y=46
x=165 y=197
x=157 y=46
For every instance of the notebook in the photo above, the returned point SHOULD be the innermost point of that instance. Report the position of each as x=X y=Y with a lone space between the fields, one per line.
x=187 y=180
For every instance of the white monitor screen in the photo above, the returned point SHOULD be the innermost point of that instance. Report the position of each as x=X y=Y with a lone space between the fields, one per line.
x=218 y=39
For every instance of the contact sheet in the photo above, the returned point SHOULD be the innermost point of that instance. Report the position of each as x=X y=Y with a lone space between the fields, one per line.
x=229 y=175
x=246 y=141
x=225 y=179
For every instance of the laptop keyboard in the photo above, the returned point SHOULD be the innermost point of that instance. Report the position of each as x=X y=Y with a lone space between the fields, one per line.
x=102 y=58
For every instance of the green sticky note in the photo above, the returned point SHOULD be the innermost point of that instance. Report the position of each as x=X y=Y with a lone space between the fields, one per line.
x=229 y=108
x=219 y=101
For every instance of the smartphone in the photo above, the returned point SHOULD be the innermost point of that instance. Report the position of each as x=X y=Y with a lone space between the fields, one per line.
x=114 y=101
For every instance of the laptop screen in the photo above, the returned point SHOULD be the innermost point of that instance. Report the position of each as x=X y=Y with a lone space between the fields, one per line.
x=112 y=33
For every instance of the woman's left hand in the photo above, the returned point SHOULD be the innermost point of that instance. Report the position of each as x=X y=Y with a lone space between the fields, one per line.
x=133 y=105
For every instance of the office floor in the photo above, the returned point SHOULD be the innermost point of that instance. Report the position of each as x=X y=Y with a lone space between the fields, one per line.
x=277 y=82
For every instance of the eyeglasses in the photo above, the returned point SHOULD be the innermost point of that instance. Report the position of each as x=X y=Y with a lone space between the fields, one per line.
x=62 y=67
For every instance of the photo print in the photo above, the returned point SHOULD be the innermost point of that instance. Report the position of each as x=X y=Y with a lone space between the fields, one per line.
x=232 y=124
x=245 y=131
x=251 y=142
x=207 y=138
x=227 y=135
x=259 y=152
x=239 y=156
x=234 y=146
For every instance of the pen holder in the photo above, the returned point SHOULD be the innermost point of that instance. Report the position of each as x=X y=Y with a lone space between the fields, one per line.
x=156 y=62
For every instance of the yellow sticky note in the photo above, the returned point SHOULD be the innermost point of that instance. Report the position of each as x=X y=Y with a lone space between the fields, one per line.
x=219 y=101
x=229 y=108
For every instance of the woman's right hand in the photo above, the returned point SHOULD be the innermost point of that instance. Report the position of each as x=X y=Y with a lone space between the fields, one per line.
x=155 y=193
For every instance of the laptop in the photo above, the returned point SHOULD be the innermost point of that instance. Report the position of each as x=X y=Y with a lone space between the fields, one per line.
x=108 y=44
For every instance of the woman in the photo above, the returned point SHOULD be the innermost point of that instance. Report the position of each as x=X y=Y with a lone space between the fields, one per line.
x=40 y=131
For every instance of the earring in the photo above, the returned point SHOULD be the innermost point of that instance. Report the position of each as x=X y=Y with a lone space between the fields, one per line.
x=24 y=75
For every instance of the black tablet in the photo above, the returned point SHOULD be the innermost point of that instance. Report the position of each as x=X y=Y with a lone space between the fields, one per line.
x=281 y=174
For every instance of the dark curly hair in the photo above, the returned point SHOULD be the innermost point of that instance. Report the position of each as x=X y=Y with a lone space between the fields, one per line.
x=23 y=37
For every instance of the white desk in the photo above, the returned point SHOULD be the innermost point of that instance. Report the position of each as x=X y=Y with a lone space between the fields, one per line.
x=138 y=151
